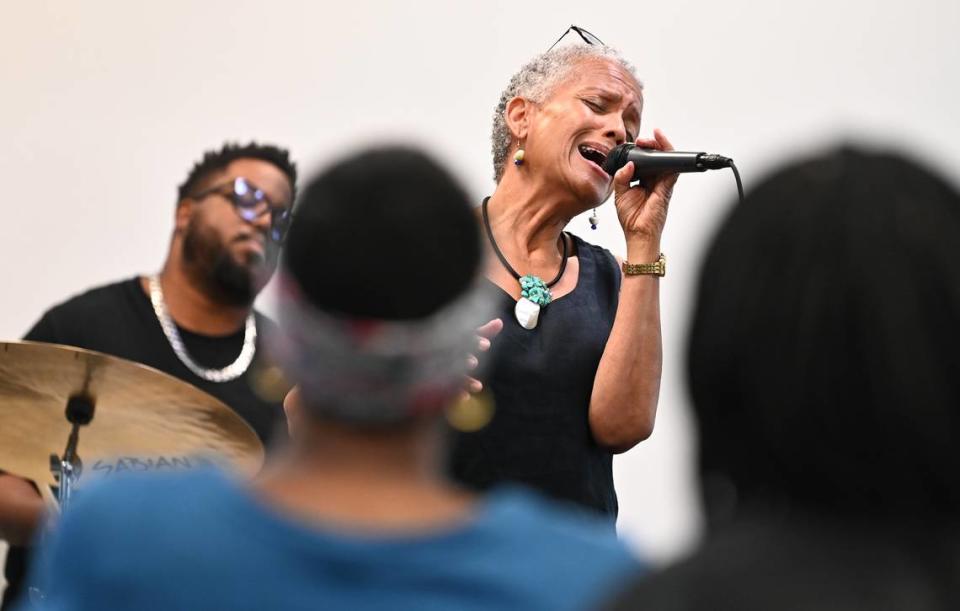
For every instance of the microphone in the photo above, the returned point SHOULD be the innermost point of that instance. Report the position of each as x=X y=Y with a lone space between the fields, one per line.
x=650 y=161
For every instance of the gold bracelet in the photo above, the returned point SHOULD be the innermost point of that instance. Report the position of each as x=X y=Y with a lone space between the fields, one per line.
x=657 y=268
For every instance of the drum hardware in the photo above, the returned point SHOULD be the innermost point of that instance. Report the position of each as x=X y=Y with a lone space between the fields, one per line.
x=67 y=469
x=116 y=413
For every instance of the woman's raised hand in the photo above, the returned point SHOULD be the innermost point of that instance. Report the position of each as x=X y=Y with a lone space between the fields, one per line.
x=642 y=209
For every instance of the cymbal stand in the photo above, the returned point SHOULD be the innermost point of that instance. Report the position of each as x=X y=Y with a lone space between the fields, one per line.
x=67 y=469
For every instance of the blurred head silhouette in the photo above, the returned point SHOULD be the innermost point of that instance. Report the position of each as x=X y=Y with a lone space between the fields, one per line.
x=823 y=353
x=377 y=306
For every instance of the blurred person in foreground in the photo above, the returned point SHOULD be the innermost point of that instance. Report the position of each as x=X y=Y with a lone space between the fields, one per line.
x=824 y=374
x=377 y=310
x=577 y=374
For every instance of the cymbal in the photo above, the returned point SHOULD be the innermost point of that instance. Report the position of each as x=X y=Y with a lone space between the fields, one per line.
x=144 y=419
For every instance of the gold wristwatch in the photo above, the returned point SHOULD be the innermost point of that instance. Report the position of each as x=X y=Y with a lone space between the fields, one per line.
x=657 y=268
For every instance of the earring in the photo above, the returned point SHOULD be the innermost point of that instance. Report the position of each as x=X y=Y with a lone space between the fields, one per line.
x=518 y=156
x=593 y=219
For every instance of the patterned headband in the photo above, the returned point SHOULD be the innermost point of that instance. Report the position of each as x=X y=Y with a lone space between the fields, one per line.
x=371 y=371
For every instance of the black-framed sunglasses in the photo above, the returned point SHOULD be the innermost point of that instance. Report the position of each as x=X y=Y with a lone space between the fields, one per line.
x=587 y=37
x=251 y=203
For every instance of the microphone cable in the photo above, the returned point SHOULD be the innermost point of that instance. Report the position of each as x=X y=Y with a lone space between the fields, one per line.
x=736 y=174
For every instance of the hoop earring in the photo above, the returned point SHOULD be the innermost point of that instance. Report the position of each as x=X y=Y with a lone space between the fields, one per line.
x=594 y=220
x=518 y=156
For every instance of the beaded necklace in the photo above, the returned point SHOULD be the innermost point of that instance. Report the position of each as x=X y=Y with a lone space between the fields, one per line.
x=534 y=292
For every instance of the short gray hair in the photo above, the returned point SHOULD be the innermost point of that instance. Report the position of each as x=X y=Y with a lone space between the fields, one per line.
x=535 y=81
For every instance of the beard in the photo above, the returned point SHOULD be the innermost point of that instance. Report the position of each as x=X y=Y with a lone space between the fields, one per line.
x=217 y=272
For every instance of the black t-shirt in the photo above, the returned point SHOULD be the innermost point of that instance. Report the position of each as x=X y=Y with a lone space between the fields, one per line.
x=541 y=381
x=118 y=319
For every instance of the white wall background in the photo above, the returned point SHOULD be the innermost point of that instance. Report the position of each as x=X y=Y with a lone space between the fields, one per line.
x=104 y=106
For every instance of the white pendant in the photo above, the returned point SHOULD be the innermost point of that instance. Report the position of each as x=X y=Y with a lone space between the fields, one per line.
x=527 y=313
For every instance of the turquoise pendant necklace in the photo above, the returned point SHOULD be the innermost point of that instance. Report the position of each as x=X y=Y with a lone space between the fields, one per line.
x=534 y=292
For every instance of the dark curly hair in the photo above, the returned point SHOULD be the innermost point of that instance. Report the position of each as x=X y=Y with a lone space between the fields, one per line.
x=215 y=161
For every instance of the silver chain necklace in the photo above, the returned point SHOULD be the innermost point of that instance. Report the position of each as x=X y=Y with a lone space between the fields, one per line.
x=230 y=372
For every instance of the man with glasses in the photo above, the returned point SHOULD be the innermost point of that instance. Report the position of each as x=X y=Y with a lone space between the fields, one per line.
x=195 y=319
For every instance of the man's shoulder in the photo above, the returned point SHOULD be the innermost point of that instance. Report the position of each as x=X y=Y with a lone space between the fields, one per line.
x=563 y=537
x=540 y=541
x=144 y=518
x=124 y=501
x=75 y=320
x=97 y=297
x=557 y=522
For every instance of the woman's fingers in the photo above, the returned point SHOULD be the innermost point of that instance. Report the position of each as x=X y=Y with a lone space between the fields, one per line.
x=622 y=178
x=659 y=142
x=487 y=332
x=660 y=183
x=662 y=142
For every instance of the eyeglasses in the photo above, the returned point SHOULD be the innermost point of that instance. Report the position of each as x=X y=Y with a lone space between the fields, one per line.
x=251 y=203
x=587 y=37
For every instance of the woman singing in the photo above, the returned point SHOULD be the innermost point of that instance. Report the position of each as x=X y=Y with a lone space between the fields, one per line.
x=577 y=369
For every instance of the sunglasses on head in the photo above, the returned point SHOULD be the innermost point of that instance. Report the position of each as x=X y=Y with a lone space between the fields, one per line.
x=587 y=37
x=251 y=203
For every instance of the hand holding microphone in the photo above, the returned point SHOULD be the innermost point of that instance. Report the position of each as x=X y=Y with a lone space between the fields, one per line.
x=642 y=209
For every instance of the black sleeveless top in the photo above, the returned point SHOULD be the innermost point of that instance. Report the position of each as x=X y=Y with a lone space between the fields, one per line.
x=541 y=381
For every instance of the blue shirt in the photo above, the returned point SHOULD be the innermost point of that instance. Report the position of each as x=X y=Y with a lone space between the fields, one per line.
x=202 y=541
